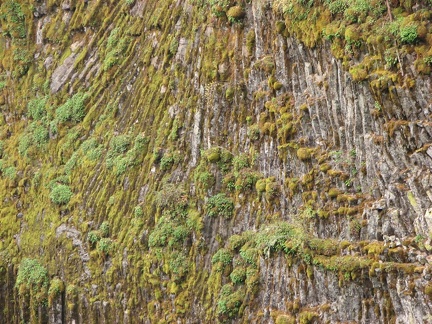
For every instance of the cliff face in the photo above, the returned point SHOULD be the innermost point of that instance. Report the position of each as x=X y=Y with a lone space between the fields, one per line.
x=199 y=162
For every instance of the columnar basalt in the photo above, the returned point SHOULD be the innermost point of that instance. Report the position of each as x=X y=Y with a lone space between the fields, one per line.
x=222 y=161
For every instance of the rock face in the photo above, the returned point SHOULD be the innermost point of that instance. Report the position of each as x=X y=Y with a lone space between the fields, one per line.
x=171 y=162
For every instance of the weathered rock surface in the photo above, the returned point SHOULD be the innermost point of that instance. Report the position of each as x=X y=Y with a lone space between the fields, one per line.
x=179 y=107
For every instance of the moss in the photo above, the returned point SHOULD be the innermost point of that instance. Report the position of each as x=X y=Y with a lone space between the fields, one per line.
x=280 y=26
x=235 y=13
x=213 y=155
x=254 y=132
x=267 y=64
x=428 y=290
x=261 y=185
x=323 y=213
x=307 y=317
x=56 y=288
x=412 y=199
x=277 y=85
x=352 y=35
x=237 y=241
x=229 y=93
x=308 y=179
x=347 y=211
x=219 y=156
x=346 y=198
x=285 y=319
x=238 y=275
x=374 y=248
x=252 y=280
x=337 y=174
x=359 y=73
x=250 y=41
x=292 y=184
x=148 y=65
x=325 y=167
x=327 y=247
x=304 y=153
x=333 y=192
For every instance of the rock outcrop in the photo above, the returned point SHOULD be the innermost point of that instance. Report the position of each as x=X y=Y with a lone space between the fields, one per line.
x=191 y=162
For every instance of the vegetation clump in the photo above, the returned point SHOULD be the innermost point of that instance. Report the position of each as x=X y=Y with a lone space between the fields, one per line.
x=32 y=276
x=61 y=194
x=235 y=13
x=220 y=205
x=304 y=153
x=238 y=275
x=229 y=302
x=222 y=258
x=13 y=20
x=73 y=110
x=56 y=288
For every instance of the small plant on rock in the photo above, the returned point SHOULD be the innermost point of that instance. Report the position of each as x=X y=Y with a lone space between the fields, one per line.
x=220 y=205
x=61 y=194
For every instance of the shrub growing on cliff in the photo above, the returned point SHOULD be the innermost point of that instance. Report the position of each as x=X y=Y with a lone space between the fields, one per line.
x=73 y=109
x=36 y=108
x=221 y=259
x=238 y=275
x=160 y=235
x=138 y=212
x=220 y=205
x=116 y=46
x=61 y=194
x=240 y=161
x=408 y=34
x=13 y=19
x=168 y=233
x=40 y=134
x=171 y=196
x=93 y=237
x=178 y=265
x=204 y=178
x=32 y=275
x=104 y=246
x=229 y=302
